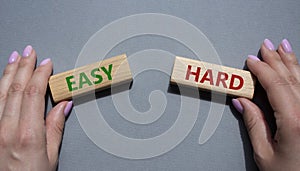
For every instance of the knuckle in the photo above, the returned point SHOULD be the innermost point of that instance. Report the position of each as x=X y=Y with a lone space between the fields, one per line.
x=292 y=60
x=295 y=62
x=261 y=159
x=279 y=81
x=39 y=70
x=23 y=63
x=257 y=157
x=32 y=90
x=292 y=80
x=3 y=142
x=27 y=138
x=5 y=139
x=296 y=124
x=251 y=124
x=16 y=88
x=3 y=96
x=275 y=58
x=6 y=71
x=57 y=127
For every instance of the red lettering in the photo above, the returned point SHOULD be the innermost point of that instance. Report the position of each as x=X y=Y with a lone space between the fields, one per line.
x=189 y=72
x=239 y=86
x=208 y=77
x=222 y=77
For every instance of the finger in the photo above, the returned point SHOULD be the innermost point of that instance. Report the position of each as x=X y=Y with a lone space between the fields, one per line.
x=15 y=92
x=7 y=78
x=276 y=87
x=257 y=127
x=272 y=58
x=288 y=57
x=55 y=122
x=33 y=104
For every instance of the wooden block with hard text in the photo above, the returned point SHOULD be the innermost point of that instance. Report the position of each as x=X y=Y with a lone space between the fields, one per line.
x=212 y=77
x=90 y=78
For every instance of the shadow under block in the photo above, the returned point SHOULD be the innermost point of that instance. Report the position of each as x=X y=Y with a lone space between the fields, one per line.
x=90 y=78
x=212 y=77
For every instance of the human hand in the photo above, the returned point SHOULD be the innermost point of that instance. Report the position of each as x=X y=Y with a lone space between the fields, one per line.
x=279 y=75
x=27 y=140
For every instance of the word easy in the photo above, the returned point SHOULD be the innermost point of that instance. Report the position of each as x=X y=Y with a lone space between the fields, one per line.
x=85 y=80
x=90 y=78
x=212 y=77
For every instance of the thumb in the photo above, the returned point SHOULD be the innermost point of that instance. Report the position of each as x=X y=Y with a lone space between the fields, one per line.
x=55 y=123
x=258 y=129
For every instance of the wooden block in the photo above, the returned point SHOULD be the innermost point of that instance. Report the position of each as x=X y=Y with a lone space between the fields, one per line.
x=207 y=76
x=93 y=77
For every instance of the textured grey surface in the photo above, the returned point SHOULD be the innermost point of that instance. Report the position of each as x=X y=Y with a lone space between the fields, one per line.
x=59 y=29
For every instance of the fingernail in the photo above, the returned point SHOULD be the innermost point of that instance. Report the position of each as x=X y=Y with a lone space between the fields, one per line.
x=238 y=106
x=252 y=57
x=45 y=61
x=27 y=51
x=286 y=46
x=269 y=44
x=68 y=108
x=13 y=57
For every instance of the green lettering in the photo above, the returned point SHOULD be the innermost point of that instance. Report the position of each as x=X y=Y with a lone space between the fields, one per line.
x=108 y=73
x=95 y=75
x=69 y=82
x=83 y=79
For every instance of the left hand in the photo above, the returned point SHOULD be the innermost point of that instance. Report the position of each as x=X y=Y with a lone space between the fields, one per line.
x=27 y=140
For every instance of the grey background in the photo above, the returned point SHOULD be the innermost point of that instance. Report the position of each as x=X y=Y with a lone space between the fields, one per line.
x=59 y=29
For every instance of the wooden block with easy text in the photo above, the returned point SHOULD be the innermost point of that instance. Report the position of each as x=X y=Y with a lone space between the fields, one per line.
x=212 y=77
x=90 y=78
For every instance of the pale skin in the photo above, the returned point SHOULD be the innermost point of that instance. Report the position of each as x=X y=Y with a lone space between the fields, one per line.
x=279 y=75
x=28 y=141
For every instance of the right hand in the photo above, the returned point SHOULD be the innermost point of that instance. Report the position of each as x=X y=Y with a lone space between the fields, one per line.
x=279 y=75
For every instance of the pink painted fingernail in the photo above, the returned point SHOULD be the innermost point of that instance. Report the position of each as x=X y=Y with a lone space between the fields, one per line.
x=238 y=106
x=13 y=57
x=27 y=51
x=286 y=46
x=68 y=108
x=252 y=57
x=269 y=44
x=45 y=61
